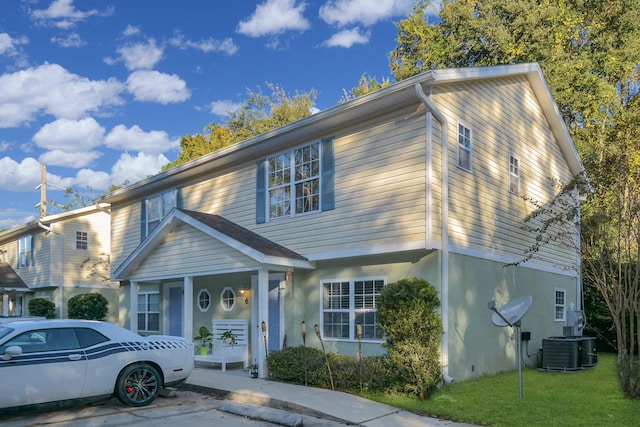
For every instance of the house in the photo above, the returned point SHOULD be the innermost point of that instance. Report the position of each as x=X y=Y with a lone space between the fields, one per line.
x=310 y=221
x=57 y=257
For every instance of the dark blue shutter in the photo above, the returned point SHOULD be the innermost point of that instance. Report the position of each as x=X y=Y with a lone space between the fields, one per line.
x=327 y=198
x=143 y=219
x=179 y=198
x=32 y=249
x=261 y=192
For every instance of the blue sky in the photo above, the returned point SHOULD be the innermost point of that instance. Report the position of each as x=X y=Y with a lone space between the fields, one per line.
x=101 y=91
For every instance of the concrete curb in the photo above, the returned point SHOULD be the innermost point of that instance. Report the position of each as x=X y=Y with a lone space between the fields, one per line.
x=262 y=413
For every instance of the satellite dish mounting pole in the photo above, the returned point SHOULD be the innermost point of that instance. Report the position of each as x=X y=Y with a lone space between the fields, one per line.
x=516 y=309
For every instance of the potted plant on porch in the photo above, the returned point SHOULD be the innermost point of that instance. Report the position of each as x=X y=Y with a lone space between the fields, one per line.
x=229 y=337
x=204 y=339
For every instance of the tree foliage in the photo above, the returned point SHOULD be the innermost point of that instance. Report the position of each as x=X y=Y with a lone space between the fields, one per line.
x=366 y=84
x=92 y=306
x=589 y=51
x=408 y=314
x=258 y=114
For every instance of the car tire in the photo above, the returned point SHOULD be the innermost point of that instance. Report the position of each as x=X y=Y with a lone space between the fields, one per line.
x=138 y=385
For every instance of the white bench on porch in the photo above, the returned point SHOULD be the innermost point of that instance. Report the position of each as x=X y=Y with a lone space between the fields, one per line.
x=224 y=352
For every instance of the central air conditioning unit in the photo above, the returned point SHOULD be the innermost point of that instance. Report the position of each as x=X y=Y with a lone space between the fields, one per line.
x=575 y=323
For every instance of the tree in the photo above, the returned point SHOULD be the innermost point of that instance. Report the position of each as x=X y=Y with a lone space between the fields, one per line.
x=91 y=306
x=366 y=84
x=258 y=114
x=589 y=53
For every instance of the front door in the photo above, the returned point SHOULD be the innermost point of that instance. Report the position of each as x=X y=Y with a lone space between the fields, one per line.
x=173 y=312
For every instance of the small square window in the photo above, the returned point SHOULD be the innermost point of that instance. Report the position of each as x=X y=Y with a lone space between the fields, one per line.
x=82 y=240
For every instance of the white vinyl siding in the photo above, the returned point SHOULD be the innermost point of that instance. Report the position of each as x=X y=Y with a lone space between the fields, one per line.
x=188 y=251
x=483 y=217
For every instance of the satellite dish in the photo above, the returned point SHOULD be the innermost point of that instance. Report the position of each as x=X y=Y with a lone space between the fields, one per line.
x=512 y=312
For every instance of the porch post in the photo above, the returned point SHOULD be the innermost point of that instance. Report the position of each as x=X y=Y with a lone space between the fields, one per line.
x=263 y=316
x=5 y=305
x=133 y=306
x=187 y=314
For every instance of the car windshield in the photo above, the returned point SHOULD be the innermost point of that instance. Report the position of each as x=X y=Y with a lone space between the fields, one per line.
x=4 y=331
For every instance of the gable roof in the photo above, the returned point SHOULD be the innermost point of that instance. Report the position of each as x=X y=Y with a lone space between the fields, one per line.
x=9 y=279
x=364 y=107
x=231 y=234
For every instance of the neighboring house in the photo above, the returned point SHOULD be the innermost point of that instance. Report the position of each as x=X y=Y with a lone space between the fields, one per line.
x=57 y=257
x=310 y=221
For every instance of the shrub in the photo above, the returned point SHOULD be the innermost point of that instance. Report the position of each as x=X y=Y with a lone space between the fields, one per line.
x=407 y=312
x=288 y=365
x=91 y=306
x=42 y=307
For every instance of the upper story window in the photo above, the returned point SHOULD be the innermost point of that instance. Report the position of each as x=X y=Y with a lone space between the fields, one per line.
x=464 y=147
x=25 y=251
x=347 y=303
x=514 y=174
x=560 y=304
x=296 y=182
x=82 y=240
x=156 y=207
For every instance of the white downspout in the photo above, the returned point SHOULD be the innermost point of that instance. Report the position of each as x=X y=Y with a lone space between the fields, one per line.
x=61 y=257
x=444 y=292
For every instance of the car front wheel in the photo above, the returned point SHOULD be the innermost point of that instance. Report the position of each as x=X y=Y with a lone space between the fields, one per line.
x=138 y=385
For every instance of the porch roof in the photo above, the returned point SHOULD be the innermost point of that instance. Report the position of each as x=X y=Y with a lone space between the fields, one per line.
x=9 y=279
x=227 y=232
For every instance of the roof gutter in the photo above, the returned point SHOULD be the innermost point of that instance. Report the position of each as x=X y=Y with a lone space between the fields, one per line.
x=444 y=258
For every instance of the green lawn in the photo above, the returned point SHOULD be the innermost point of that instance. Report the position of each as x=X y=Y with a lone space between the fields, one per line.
x=590 y=397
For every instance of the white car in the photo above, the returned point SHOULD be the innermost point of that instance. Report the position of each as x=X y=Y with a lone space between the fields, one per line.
x=46 y=361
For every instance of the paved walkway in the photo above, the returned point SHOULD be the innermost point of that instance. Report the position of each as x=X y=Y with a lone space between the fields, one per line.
x=236 y=385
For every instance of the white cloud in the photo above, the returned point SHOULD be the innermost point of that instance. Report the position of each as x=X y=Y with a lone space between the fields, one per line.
x=141 y=56
x=347 y=38
x=131 y=30
x=274 y=17
x=51 y=89
x=135 y=139
x=224 y=107
x=10 y=218
x=71 y=40
x=63 y=14
x=209 y=45
x=97 y=180
x=134 y=168
x=349 y=12
x=70 y=135
x=69 y=159
x=10 y=46
x=23 y=176
x=154 y=86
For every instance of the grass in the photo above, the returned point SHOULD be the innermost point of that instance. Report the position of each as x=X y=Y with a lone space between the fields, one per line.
x=591 y=397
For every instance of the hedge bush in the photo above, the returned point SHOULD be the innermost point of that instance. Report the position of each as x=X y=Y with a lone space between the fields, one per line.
x=408 y=314
x=91 y=306
x=42 y=307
